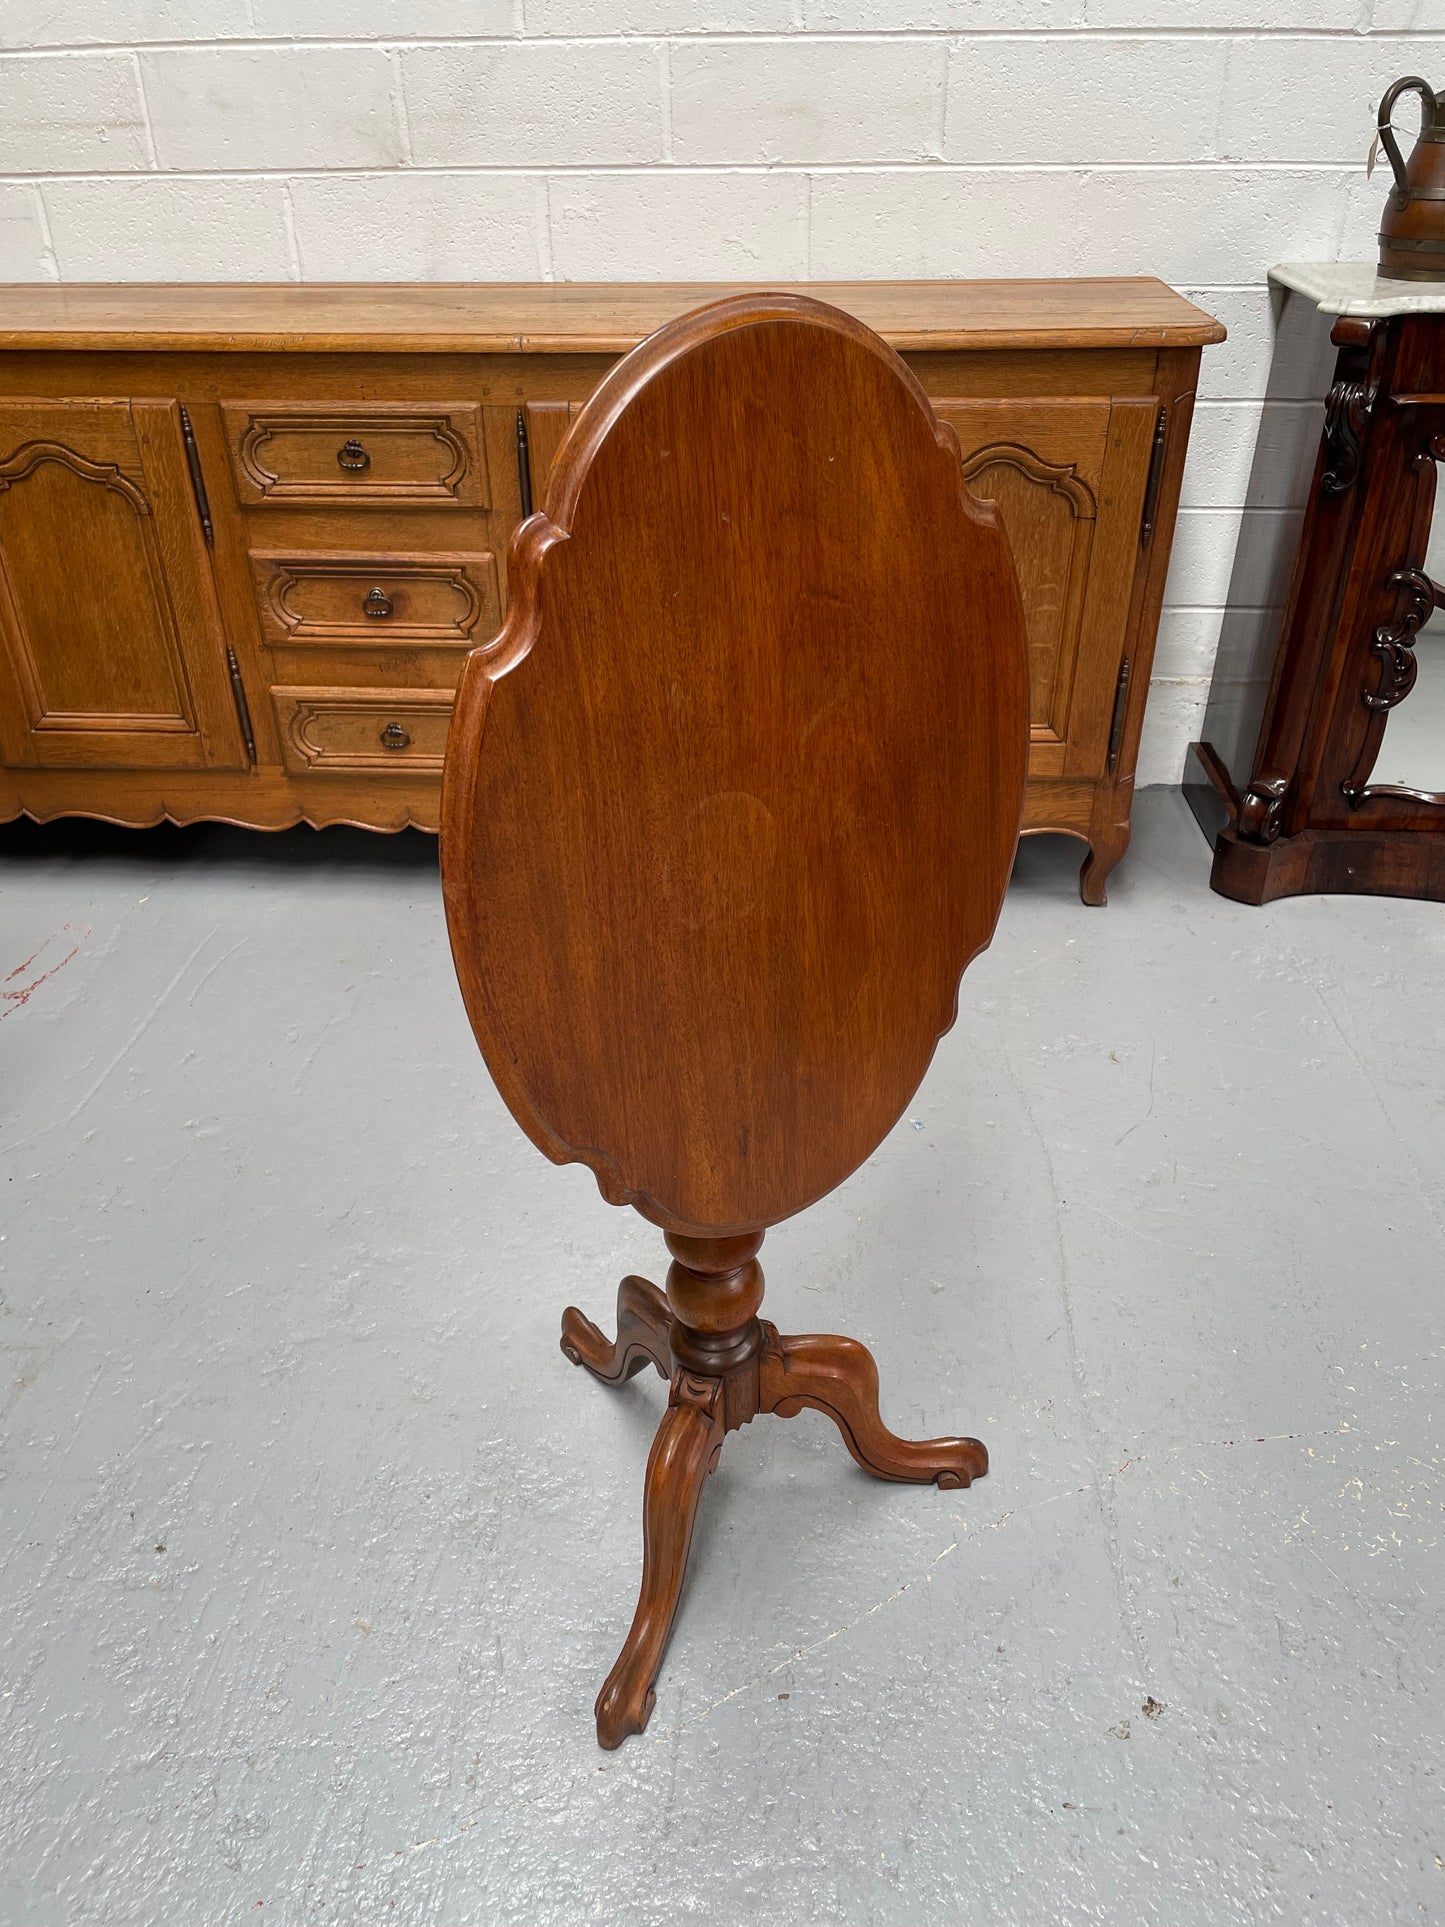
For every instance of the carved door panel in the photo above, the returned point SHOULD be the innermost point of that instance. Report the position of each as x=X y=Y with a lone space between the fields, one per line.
x=111 y=647
x=1069 y=477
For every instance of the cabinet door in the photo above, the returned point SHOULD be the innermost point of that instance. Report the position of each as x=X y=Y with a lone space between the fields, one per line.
x=1069 y=478
x=111 y=648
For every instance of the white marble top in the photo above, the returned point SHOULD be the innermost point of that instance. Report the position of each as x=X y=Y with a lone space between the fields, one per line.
x=1358 y=287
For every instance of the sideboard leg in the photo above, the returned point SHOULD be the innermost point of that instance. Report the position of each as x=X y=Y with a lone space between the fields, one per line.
x=1106 y=846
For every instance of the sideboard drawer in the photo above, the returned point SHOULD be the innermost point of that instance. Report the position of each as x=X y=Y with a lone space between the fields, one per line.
x=370 y=454
x=349 y=599
x=363 y=731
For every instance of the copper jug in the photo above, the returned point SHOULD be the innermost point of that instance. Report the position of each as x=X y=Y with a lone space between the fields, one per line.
x=1412 y=233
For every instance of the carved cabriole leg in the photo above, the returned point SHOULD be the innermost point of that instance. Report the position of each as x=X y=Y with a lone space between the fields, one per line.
x=837 y=1376
x=714 y=1288
x=682 y=1455
x=644 y=1332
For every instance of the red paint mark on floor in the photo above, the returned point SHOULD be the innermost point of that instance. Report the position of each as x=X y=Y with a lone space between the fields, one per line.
x=40 y=967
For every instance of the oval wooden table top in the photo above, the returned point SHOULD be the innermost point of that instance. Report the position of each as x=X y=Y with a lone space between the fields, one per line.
x=732 y=800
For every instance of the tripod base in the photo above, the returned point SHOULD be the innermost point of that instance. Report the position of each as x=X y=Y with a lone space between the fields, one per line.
x=836 y=1376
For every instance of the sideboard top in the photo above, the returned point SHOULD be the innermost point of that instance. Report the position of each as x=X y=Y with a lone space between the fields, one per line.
x=479 y=317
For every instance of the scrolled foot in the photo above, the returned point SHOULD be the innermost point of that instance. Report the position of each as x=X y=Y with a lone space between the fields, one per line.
x=623 y=1708
x=682 y=1455
x=837 y=1376
x=644 y=1327
x=1094 y=881
x=1105 y=850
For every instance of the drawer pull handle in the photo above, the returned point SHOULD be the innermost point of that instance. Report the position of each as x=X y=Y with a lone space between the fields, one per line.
x=394 y=737
x=352 y=455
x=377 y=603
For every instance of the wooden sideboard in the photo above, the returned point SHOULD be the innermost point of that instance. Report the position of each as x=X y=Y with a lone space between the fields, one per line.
x=248 y=533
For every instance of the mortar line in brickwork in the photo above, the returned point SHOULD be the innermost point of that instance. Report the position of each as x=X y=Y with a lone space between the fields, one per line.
x=683 y=169
x=1358 y=36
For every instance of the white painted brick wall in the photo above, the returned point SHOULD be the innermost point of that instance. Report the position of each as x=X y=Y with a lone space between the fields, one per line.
x=266 y=108
x=413 y=226
x=535 y=103
x=1092 y=99
x=66 y=113
x=759 y=102
x=775 y=139
x=669 y=225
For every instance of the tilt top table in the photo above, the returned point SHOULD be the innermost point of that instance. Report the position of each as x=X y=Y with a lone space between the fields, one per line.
x=730 y=802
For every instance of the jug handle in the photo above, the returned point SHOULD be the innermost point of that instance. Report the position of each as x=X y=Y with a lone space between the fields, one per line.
x=1411 y=84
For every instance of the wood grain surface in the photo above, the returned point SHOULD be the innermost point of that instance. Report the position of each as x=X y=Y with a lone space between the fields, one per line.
x=577 y=317
x=732 y=799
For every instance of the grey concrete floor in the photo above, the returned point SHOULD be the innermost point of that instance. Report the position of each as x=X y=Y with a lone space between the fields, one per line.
x=316 y=1550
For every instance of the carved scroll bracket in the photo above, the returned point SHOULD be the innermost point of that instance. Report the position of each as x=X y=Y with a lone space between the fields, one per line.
x=1392 y=646
x=1260 y=806
x=1395 y=645
x=1347 y=416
